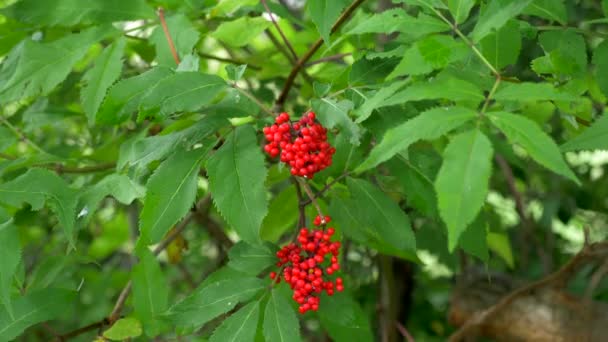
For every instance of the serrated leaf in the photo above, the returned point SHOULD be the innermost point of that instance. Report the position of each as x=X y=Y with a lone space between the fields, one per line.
x=240 y=326
x=280 y=321
x=99 y=78
x=123 y=329
x=121 y=187
x=184 y=36
x=446 y=87
x=424 y=3
x=592 y=138
x=142 y=151
x=495 y=15
x=378 y=99
x=331 y=114
x=428 y=125
x=72 y=12
x=251 y=259
x=182 y=91
x=600 y=59
x=42 y=66
x=283 y=217
x=40 y=186
x=416 y=185
x=531 y=92
x=171 y=191
x=474 y=238
x=241 y=31
x=397 y=20
x=462 y=182
x=236 y=177
x=189 y=62
x=7 y=138
x=235 y=72
x=364 y=71
x=33 y=308
x=500 y=244
x=522 y=131
x=10 y=255
x=379 y=220
x=324 y=14
x=214 y=299
x=124 y=97
x=460 y=9
x=150 y=291
x=344 y=319
x=553 y=10
x=566 y=51
x=502 y=47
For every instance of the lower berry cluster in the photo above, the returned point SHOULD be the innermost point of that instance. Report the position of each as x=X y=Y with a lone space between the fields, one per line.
x=305 y=266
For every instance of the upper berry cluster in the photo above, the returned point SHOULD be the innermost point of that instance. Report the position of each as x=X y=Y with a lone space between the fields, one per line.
x=302 y=145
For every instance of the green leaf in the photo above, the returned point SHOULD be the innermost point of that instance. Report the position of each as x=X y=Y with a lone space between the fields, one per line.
x=125 y=96
x=364 y=71
x=331 y=114
x=123 y=329
x=428 y=125
x=280 y=321
x=592 y=138
x=500 y=244
x=235 y=72
x=7 y=138
x=251 y=259
x=430 y=4
x=531 y=92
x=10 y=255
x=462 y=182
x=416 y=185
x=99 y=78
x=522 y=131
x=121 y=187
x=495 y=15
x=600 y=59
x=460 y=9
x=189 y=62
x=150 y=291
x=378 y=99
x=324 y=14
x=171 y=191
x=502 y=47
x=33 y=308
x=182 y=91
x=236 y=177
x=72 y=12
x=184 y=36
x=379 y=220
x=41 y=66
x=397 y=20
x=553 y=10
x=283 y=216
x=344 y=319
x=38 y=186
x=443 y=87
x=472 y=239
x=240 y=326
x=142 y=151
x=566 y=50
x=210 y=301
x=241 y=31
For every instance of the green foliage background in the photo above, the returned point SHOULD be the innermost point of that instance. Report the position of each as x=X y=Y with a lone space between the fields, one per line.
x=471 y=130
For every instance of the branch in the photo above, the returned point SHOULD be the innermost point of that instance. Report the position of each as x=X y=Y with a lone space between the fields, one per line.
x=60 y=168
x=325 y=188
x=276 y=25
x=228 y=60
x=329 y=59
x=557 y=278
x=302 y=61
x=161 y=16
x=596 y=278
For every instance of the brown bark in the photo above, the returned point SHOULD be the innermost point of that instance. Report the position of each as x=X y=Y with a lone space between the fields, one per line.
x=546 y=314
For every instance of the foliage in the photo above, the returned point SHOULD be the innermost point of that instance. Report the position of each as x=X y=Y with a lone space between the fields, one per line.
x=136 y=201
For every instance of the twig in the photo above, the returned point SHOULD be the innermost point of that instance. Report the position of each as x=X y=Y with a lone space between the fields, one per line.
x=228 y=60
x=276 y=25
x=311 y=51
x=255 y=100
x=329 y=59
x=557 y=278
x=311 y=196
x=326 y=187
x=403 y=331
x=490 y=94
x=163 y=22
x=595 y=280
x=59 y=168
x=301 y=205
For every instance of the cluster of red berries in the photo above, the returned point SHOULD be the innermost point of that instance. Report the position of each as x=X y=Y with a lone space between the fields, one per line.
x=304 y=271
x=302 y=145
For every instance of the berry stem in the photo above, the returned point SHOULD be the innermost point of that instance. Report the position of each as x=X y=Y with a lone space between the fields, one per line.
x=311 y=196
x=325 y=188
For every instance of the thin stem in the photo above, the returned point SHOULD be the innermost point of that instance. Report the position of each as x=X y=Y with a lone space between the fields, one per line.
x=163 y=22
x=228 y=60
x=276 y=25
x=575 y=29
x=329 y=59
x=490 y=95
x=326 y=187
x=59 y=168
x=311 y=196
x=254 y=99
x=21 y=136
x=311 y=51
